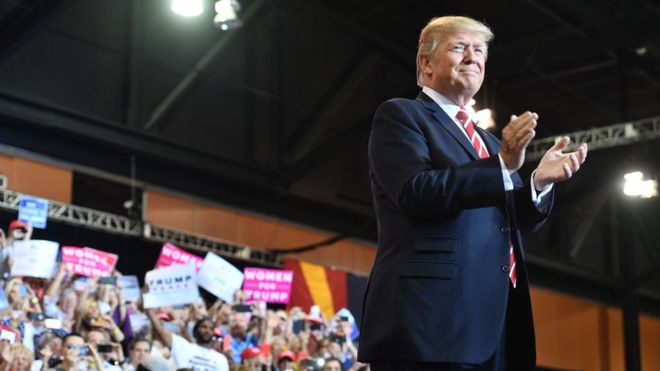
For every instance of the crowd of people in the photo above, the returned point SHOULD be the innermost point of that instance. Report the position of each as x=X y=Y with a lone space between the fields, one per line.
x=69 y=323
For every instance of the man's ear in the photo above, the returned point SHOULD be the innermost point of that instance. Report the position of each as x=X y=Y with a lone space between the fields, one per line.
x=425 y=65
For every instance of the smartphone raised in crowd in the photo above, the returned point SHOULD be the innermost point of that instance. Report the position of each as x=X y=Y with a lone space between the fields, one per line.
x=298 y=326
x=83 y=350
x=104 y=348
x=243 y=308
x=36 y=316
x=111 y=280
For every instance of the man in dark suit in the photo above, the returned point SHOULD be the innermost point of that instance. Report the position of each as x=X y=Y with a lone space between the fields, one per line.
x=449 y=288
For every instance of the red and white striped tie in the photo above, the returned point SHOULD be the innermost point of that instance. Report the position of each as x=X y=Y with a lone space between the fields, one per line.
x=478 y=145
x=464 y=118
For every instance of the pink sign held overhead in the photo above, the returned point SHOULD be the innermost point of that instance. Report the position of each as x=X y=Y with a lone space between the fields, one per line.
x=172 y=255
x=88 y=262
x=269 y=285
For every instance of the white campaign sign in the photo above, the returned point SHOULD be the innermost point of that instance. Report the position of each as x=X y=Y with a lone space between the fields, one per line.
x=219 y=277
x=174 y=285
x=34 y=258
x=130 y=287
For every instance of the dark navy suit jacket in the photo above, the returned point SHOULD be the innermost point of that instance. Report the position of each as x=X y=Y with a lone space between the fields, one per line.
x=439 y=288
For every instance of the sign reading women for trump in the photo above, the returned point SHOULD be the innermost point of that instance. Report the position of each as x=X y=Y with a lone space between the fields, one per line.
x=87 y=261
x=172 y=255
x=175 y=285
x=269 y=285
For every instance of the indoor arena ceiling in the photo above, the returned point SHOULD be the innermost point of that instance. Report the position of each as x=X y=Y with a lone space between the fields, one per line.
x=274 y=116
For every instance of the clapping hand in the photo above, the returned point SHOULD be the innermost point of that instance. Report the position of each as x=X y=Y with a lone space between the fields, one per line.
x=516 y=135
x=556 y=166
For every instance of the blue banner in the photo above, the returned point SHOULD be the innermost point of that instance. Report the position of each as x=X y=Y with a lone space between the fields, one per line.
x=33 y=211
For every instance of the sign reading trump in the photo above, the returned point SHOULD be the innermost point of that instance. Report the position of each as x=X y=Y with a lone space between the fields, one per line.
x=269 y=285
x=175 y=285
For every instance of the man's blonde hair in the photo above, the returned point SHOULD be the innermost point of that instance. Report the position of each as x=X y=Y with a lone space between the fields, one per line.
x=439 y=27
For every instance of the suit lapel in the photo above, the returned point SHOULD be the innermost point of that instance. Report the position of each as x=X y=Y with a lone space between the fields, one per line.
x=448 y=124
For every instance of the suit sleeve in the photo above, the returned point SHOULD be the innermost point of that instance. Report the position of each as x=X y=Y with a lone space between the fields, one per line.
x=529 y=216
x=402 y=167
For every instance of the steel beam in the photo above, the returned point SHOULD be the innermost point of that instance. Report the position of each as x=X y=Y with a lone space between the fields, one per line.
x=601 y=138
x=20 y=25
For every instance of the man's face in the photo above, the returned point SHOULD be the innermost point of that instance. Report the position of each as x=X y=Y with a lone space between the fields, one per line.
x=18 y=233
x=238 y=324
x=204 y=333
x=457 y=65
x=72 y=342
x=332 y=365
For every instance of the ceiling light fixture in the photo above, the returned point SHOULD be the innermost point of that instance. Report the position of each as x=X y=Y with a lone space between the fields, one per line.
x=637 y=186
x=187 y=8
x=226 y=17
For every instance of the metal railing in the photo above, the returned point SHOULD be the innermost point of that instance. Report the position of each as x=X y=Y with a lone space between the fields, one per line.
x=600 y=138
x=112 y=223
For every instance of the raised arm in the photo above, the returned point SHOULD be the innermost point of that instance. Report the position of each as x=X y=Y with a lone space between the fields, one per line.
x=157 y=325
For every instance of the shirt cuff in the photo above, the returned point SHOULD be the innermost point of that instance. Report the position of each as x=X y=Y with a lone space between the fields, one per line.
x=537 y=198
x=506 y=176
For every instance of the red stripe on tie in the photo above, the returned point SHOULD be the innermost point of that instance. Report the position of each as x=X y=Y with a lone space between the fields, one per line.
x=464 y=118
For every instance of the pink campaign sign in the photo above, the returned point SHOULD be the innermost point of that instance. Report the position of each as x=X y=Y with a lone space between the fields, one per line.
x=172 y=255
x=87 y=261
x=269 y=285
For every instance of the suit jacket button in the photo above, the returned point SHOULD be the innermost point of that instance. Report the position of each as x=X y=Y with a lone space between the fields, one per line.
x=504 y=268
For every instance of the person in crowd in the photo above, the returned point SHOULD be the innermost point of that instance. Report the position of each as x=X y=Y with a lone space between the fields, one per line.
x=18 y=231
x=251 y=359
x=241 y=339
x=91 y=318
x=285 y=361
x=46 y=344
x=15 y=357
x=111 y=353
x=199 y=355
x=332 y=364
x=139 y=350
x=75 y=355
x=60 y=303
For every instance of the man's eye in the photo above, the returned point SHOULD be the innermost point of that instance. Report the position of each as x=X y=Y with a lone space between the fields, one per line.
x=459 y=48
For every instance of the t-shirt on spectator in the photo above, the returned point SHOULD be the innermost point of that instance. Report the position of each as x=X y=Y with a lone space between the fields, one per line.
x=188 y=355
x=238 y=346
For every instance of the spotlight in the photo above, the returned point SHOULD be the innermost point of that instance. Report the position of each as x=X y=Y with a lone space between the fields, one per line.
x=485 y=118
x=187 y=8
x=637 y=186
x=226 y=17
